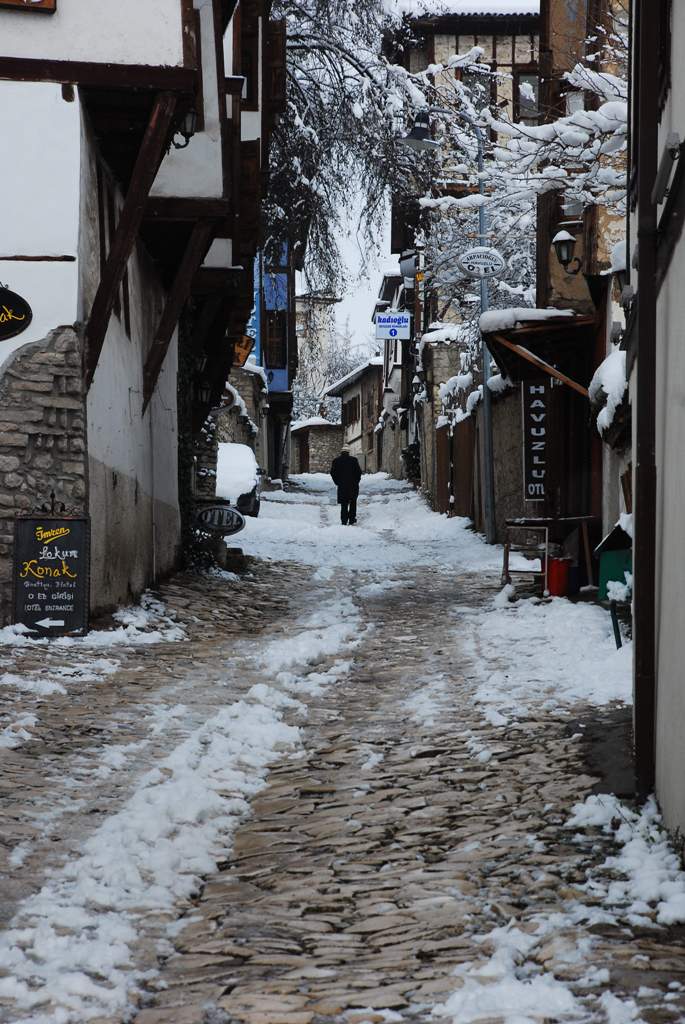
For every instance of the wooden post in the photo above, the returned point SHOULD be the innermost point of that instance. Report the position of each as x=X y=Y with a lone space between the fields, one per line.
x=196 y=251
x=144 y=173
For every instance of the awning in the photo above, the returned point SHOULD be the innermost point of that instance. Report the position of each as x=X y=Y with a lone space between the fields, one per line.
x=539 y=349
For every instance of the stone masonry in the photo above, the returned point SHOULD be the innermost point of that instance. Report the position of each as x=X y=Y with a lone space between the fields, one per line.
x=324 y=445
x=42 y=437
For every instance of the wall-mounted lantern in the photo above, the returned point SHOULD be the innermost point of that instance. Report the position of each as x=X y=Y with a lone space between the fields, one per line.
x=564 y=245
x=186 y=129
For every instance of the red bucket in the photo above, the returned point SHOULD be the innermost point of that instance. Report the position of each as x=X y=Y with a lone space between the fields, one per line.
x=557 y=579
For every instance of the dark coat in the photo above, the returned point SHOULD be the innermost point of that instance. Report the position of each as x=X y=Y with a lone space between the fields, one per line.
x=346 y=473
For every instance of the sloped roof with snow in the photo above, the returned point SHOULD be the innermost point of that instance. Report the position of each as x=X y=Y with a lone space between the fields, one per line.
x=312 y=421
x=472 y=8
x=336 y=390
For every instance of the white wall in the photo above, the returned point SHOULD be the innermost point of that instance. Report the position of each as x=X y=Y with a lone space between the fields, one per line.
x=132 y=458
x=39 y=202
x=670 y=444
x=197 y=170
x=116 y=31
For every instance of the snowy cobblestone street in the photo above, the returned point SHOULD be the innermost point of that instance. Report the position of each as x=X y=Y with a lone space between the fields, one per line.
x=354 y=785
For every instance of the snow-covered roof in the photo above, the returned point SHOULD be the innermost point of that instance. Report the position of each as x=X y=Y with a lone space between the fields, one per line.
x=312 y=421
x=505 y=319
x=436 y=8
x=336 y=389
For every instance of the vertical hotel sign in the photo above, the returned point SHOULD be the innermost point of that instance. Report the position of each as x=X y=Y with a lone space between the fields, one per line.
x=52 y=574
x=48 y=6
x=535 y=400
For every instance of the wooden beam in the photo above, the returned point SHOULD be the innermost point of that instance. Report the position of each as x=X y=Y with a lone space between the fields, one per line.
x=526 y=354
x=38 y=259
x=144 y=173
x=177 y=208
x=196 y=251
x=100 y=76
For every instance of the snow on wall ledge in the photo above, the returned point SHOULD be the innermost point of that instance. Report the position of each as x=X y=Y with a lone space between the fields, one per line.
x=435 y=8
x=505 y=319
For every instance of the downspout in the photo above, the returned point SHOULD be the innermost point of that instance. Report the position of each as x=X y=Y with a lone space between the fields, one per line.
x=646 y=148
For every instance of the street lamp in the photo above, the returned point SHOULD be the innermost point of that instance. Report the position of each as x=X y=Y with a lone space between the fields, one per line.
x=419 y=139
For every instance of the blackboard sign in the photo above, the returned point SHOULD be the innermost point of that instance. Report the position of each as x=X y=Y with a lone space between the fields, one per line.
x=15 y=314
x=535 y=398
x=52 y=574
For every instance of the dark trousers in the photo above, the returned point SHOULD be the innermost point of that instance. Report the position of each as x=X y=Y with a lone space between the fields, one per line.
x=348 y=511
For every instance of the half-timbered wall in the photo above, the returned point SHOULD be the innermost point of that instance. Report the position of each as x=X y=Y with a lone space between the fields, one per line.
x=146 y=32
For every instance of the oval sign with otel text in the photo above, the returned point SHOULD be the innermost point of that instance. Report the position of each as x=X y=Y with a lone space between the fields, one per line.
x=220 y=519
x=482 y=261
x=15 y=314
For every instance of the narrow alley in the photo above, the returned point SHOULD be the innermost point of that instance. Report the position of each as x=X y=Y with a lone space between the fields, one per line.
x=356 y=784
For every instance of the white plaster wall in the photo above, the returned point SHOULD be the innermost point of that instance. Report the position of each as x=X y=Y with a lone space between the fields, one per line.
x=117 y=31
x=132 y=458
x=39 y=203
x=670 y=445
x=197 y=170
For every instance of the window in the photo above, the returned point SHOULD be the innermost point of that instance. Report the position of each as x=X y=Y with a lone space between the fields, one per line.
x=276 y=339
x=526 y=99
x=351 y=411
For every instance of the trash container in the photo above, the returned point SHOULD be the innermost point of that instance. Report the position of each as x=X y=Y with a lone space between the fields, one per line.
x=557 y=579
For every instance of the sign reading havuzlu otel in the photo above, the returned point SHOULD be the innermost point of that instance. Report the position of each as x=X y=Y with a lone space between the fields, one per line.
x=15 y=314
x=49 y=6
x=51 y=574
x=534 y=398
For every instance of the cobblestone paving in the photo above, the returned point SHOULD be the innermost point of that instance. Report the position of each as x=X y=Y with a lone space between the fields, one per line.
x=374 y=858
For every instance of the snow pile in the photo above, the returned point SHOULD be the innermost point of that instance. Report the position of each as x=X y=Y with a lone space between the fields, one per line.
x=499 y=384
x=236 y=471
x=532 y=655
x=503 y=989
x=146 y=623
x=609 y=379
x=16 y=732
x=644 y=880
x=619 y=257
x=506 y=319
x=445 y=333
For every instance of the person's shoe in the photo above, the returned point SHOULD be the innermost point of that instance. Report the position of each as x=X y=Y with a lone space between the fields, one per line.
x=353 y=522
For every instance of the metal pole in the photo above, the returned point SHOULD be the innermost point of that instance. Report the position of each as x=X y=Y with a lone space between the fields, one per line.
x=488 y=451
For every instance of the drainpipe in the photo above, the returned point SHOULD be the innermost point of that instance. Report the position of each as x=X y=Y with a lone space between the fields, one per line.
x=646 y=147
x=489 y=467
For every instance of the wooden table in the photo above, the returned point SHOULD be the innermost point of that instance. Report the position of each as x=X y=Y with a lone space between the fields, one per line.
x=545 y=524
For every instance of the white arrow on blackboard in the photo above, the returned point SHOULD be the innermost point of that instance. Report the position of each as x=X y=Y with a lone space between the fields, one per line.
x=49 y=623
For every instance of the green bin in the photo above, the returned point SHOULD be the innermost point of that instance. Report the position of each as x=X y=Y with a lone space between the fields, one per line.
x=613 y=566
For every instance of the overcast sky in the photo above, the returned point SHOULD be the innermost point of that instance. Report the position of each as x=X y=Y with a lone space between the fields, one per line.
x=364 y=275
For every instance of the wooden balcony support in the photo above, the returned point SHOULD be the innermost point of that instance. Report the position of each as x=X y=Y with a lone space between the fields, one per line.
x=149 y=158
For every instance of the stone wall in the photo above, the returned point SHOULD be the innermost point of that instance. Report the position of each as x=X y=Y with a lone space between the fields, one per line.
x=42 y=437
x=324 y=445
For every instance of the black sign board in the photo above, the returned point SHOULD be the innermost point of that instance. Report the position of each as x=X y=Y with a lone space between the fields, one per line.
x=221 y=519
x=535 y=406
x=15 y=314
x=52 y=574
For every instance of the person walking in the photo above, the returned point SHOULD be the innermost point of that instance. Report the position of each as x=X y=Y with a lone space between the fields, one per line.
x=346 y=473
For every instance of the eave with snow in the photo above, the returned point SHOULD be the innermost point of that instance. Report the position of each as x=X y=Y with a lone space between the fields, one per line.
x=528 y=344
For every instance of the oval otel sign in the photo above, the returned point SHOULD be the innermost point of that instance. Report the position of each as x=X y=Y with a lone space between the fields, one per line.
x=221 y=519
x=481 y=262
x=15 y=314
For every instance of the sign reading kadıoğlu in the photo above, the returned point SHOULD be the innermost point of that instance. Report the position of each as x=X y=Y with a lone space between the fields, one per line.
x=393 y=326
x=15 y=314
x=535 y=401
x=51 y=574
x=48 y=6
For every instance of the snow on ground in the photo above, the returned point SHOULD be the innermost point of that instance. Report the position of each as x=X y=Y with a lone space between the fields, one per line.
x=552 y=653
x=69 y=953
x=141 y=624
x=394 y=528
